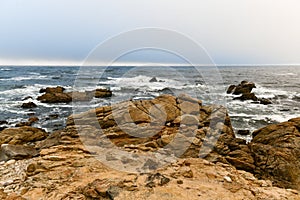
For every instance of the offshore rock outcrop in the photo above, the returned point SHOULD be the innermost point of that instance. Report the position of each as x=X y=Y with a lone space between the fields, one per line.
x=57 y=95
x=244 y=89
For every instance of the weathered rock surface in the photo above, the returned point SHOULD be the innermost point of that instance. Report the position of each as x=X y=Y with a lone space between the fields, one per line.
x=22 y=135
x=276 y=151
x=57 y=95
x=68 y=165
x=244 y=89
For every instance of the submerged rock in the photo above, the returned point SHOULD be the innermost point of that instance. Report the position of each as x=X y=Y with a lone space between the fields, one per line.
x=29 y=105
x=153 y=80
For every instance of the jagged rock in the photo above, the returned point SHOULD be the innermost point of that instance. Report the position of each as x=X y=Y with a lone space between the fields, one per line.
x=29 y=105
x=153 y=80
x=276 y=150
x=243 y=88
x=67 y=166
x=230 y=89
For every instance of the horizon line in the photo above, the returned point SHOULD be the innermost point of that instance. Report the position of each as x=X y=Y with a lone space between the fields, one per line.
x=140 y=65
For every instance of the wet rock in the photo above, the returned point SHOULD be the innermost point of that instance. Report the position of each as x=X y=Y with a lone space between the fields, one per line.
x=247 y=96
x=57 y=89
x=265 y=101
x=230 y=89
x=243 y=88
x=55 y=98
x=153 y=80
x=3 y=122
x=243 y=132
x=30 y=121
x=29 y=105
x=26 y=98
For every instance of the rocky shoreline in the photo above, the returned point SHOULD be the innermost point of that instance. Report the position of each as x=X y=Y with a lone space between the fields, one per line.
x=207 y=161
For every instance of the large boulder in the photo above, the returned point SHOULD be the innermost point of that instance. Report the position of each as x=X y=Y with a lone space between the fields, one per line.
x=22 y=135
x=276 y=151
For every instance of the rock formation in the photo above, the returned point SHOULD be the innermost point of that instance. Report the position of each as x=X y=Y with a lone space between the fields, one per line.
x=57 y=95
x=245 y=90
x=68 y=164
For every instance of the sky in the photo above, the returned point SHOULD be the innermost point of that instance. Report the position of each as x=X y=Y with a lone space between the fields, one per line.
x=65 y=32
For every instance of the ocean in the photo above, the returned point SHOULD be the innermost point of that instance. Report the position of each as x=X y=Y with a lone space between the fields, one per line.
x=278 y=83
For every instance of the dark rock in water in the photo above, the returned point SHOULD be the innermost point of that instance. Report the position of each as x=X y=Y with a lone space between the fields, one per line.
x=230 y=89
x=153 y=80
x=88 y=95
x=30 y=121
x=166 y=91
x=276 y=150
x=265 y=101
x=29 y=105
x=296 y=98
x=243 y=132
x=53 y=116
x=101 y=93
x=33 y=119
x=2 y=128
x=57 y=89
x=57 y=95
x=26 y=98
x=246 y=96
x=17 y=152
x=3 y=122
x=55 y=98
x=285 y=110
x=243 y=88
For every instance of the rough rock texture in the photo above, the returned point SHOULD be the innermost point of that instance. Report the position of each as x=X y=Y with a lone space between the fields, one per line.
x=22 y=135
x=57 y=95
x=245 y=90
x=276 y=151
x=67 y=169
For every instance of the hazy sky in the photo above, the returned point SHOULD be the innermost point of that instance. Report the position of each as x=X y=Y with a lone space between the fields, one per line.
x=232 y=31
